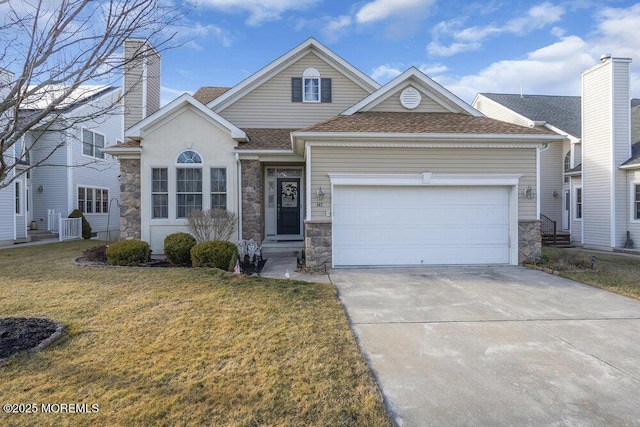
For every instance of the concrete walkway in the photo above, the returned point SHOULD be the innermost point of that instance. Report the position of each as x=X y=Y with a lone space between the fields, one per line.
x=278 y=267
x=495 y=346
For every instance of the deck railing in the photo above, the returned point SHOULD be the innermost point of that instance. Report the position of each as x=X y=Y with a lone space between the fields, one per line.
x=548 y=227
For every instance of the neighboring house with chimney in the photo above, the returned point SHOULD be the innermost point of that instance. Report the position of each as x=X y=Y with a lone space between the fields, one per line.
x=313 y=154
x=590 y=182
x=75 y=172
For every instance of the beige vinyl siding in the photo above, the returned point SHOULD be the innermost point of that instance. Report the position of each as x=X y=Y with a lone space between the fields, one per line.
x=427 y=104
x=492 y=109
x=551 y=179
x=621 y=147
x=326 y=160
x=153 y=84
x=597 y=161
x=132 y=86
x=270 y=106
x=577 y=154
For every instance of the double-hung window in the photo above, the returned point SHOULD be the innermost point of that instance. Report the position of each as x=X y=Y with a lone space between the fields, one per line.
x=93 y=200
x=219 y=188
x=92 y=144
x=18 y=198
x=578 y=203
x=636 y=202
x=188 y=183
x=159 y=193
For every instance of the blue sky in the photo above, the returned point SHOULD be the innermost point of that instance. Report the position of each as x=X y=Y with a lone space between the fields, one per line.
x=537 y=47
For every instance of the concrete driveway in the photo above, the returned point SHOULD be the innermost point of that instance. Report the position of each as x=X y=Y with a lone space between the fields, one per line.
x=495 y=346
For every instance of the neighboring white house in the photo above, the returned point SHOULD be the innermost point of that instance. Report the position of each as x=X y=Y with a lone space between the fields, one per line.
x=73 y=171
x=590 y=183
x=309 y=149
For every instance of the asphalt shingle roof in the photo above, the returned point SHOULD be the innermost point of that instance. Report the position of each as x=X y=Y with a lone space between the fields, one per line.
x=266 y=139
x=412 y=122
x=562 y=112
x=206 y=94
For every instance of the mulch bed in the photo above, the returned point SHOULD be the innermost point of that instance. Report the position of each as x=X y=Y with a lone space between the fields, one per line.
x=18 y=334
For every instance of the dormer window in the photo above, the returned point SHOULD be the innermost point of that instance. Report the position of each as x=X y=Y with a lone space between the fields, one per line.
x=311 y=87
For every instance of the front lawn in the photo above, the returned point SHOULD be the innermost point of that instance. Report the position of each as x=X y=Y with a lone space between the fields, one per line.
x=172 y=346
x=613 y=272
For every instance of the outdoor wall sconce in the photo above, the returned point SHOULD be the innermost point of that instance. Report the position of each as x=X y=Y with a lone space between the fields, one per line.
x=320 y=193
x=40 y=189
x=528 y=192
x=555 y=195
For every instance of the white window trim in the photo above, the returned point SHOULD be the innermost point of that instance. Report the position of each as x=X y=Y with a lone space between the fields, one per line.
x=95 y=132
x=204 y=175
x=575 y=203
x=18 y=199
x=632 y=192
x=311 y=73
x=168 y=168
x=93 y=188
x=226 y=188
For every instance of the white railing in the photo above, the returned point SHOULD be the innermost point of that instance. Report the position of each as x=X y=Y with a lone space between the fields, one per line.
x=70 y=228
x=53 y=220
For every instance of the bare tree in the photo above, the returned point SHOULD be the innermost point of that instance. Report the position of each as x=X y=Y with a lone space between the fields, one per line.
x=54 y=49
x=212 y=224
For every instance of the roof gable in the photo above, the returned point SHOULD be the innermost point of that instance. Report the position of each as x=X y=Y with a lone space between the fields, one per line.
x=310 y=45
x=135 y=132
x=425 y=86
x=561 y=112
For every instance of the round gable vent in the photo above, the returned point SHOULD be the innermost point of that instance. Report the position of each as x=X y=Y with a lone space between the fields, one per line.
x=410 y=98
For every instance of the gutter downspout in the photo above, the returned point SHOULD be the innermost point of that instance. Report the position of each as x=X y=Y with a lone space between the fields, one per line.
x=239 y=194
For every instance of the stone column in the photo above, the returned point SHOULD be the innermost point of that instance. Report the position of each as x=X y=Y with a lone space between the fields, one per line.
x=252 y=200
x=317 y=243
x=529 y=240
x=130 y=219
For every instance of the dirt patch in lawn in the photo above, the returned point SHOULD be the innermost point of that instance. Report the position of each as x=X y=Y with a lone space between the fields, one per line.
x=18 y=334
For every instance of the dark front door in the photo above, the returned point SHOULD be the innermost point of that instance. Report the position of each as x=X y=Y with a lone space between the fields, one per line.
x=288 y=206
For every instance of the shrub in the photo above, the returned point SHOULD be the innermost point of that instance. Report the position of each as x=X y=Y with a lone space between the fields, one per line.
x=86 y=227
x=96 y=254
x=216 y=254
x=128 y=252
x=177 y=248
x=212 y=224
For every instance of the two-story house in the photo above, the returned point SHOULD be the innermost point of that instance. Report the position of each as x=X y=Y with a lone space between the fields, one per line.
x=589 y=182
x=309 y=149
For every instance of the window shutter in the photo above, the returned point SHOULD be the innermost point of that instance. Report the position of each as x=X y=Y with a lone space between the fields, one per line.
x=325 y=90
x=296 y=89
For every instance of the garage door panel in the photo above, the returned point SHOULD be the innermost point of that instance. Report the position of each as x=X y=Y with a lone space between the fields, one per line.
x=418 y=225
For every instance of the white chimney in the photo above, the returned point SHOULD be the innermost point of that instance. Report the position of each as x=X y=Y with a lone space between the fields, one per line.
x=606 y=144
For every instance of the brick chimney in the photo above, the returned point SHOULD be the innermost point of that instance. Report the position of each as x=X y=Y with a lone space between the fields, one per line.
x=141 y=81
x=606 y=144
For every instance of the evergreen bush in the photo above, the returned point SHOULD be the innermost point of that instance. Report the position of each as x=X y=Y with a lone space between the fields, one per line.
x=215 y=254
x=128 y=252
x=177 y=248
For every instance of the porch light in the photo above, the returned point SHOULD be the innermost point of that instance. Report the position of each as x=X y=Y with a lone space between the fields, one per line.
x=528 y=192
x=40 y=189
x=555 y=195
x=320 y=193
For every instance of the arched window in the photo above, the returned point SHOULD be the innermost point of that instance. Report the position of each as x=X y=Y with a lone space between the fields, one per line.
x=567 y=165
x=311 y=85
x=188 y=183
x=189 y=157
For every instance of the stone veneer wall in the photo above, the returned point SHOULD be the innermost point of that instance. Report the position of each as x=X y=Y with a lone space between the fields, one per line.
x=317 y=243
x=130 y=219
x=529 y=240
x=252 y=200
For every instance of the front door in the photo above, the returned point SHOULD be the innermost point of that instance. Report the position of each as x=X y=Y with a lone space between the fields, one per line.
x=288 y=209
x=566 y=215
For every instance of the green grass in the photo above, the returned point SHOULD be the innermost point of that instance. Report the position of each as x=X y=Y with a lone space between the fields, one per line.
x=613 y=272
x=175 y=346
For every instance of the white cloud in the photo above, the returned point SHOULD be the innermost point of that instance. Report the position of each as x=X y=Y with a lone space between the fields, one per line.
x=384 y=73
x=471 y=38
x=260 y=10
x=379 y=10
x=336 y=27
x=433 y=69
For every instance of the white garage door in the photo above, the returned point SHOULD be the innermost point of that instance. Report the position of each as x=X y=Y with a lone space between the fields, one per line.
x=420 y=225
